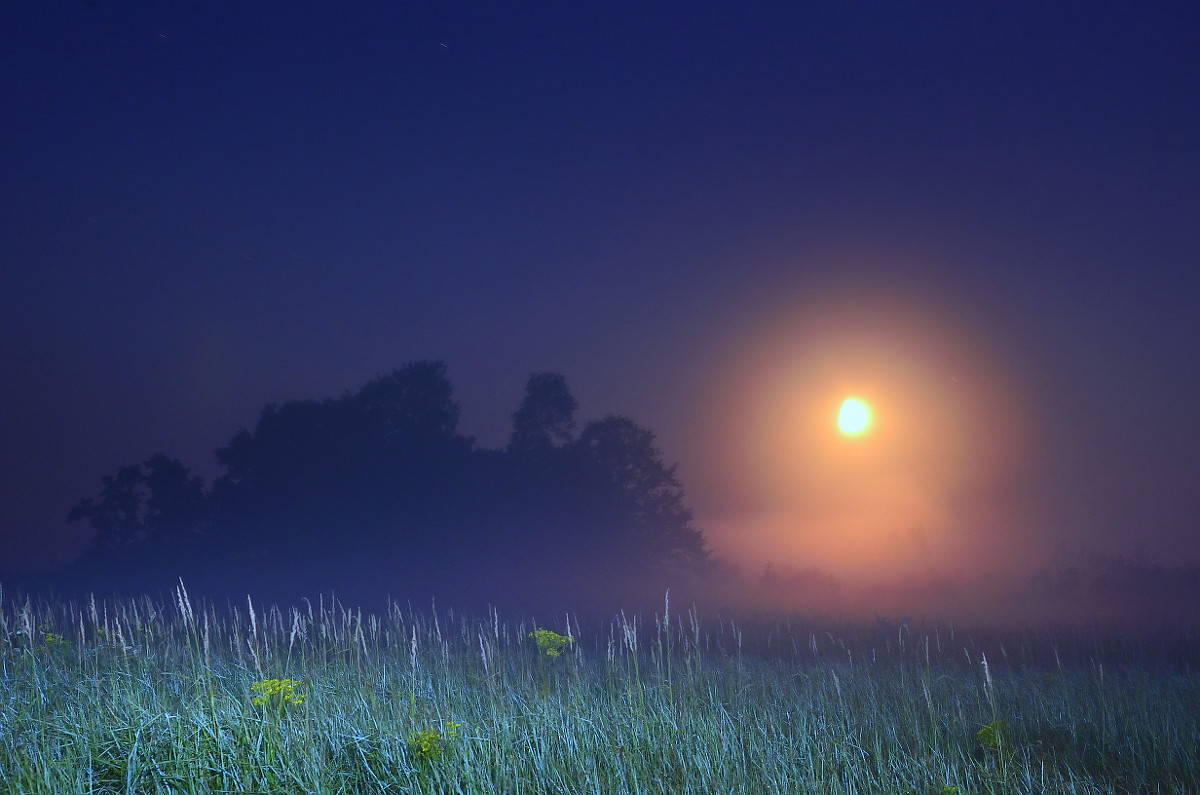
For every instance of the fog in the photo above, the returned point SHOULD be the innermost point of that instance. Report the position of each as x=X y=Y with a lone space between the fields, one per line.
x=933 y=487
x=938 y=510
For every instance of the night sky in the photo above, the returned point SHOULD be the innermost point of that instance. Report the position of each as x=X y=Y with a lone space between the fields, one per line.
x=717 y=219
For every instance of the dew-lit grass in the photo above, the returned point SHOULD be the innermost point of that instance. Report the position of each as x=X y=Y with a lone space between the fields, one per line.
x=181 y=696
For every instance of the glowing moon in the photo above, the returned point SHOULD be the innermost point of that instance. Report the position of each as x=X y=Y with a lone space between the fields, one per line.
x=853 y=416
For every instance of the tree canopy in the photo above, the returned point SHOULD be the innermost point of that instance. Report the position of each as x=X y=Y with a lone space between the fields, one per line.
x=377 y=489
x=546 y=417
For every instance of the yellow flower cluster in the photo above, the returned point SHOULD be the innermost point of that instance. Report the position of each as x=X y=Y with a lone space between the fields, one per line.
x=427 y=744
x=992 y=735
x=551 y=642
x=53 y=639
x=284 y=690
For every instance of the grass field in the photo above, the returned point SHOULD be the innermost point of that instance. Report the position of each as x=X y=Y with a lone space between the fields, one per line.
x=181 y=696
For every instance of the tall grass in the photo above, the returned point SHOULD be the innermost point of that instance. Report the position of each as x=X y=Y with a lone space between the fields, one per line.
x=161 y=696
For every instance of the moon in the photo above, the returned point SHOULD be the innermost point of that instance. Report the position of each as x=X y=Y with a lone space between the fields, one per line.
x=853 y=417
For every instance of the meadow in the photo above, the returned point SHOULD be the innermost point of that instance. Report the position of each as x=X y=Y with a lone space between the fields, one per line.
x=182 y=696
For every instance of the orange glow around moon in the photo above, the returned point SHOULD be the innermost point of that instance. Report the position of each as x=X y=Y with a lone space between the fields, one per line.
x=933 y=490
x=853 y=417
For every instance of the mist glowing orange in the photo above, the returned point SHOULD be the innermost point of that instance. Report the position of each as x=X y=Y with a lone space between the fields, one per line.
x=797 y=485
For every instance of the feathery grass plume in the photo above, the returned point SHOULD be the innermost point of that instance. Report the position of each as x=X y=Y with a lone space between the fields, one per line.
x=988 y=687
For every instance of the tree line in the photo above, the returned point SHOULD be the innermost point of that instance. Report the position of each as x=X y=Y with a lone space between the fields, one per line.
x=378 y=493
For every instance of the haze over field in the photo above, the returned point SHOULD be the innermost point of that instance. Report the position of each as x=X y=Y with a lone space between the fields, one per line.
x=717 y=224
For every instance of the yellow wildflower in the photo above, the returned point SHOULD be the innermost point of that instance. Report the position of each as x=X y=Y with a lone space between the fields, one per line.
x=283 y=690
x=550 y=641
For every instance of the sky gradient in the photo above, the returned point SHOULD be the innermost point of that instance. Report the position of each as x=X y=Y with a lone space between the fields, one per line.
x=717 y=219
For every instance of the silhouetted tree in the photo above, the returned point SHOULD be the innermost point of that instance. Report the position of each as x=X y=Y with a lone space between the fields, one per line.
x=656 y=525
x=377 y=490
x=117 y=516
x=297 y=451
x=306 y=444
x=415 y=452
x=157 y=501
x=546 y=416
x=176 y=503
x=327 y=489
x=415 y=402
x=150 y=519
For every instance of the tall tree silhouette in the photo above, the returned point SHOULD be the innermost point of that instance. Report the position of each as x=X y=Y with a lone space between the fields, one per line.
x=118 y=515
x=157 y=501
x=149 y=520
x=332 y=487
x=393 y=425
x=415 y=402
x=653 y=522
x=415 y=450
x=546 y=416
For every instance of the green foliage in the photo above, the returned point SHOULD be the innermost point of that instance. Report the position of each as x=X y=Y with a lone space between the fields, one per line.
x=550 y=642
x=54 y=640
x=991 y=736
x=429 y=744
x=276 y=693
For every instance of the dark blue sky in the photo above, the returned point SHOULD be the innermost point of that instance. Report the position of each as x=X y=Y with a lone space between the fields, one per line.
x=205 y=208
